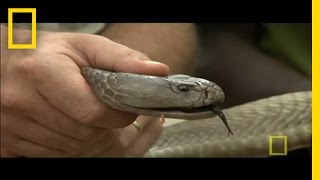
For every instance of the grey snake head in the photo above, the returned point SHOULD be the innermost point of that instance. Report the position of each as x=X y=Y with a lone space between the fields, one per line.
x=175 y=96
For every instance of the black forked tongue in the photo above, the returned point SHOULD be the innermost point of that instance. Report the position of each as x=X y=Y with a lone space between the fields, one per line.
x=218 y=111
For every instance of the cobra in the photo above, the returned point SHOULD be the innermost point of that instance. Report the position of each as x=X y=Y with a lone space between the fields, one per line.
x=191 y=98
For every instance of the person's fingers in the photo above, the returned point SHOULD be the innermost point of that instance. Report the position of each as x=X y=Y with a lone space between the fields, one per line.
x=129 y=134
x=115 y=142
x=59 y=122
x=146 y=138
x=134 y=142
x=30 y=130
x=127 y=141
x=29 y=103
x=106 y=54
x=140 y=123
x=29 y=149
x=106 y=140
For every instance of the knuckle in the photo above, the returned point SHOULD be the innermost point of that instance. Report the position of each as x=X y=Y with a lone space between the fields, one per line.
x=129 y=54
x=29 y=66
x=9 y=99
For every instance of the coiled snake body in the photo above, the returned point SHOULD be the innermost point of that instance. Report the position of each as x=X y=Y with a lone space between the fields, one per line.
x=195 y=100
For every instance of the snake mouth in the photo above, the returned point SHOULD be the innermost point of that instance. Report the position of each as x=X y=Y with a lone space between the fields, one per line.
x=212 y=108
x=207 y=108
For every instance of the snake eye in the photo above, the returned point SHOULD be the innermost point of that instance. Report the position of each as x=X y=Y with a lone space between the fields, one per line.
x=183 y=88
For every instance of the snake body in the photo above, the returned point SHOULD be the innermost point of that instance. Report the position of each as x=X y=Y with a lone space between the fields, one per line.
x=200 y=133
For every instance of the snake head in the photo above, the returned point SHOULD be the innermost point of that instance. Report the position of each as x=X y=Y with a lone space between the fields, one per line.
x=176 y=96
x=195 y=92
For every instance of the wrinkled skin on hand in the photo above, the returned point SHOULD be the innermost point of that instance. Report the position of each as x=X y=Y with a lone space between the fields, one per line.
x=48 y=108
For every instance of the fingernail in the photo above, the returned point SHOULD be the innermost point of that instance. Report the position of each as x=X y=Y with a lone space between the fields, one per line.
x=158 y=68
x=154 y=63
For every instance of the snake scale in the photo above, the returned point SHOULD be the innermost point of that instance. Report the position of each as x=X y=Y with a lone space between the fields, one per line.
x=195 y=101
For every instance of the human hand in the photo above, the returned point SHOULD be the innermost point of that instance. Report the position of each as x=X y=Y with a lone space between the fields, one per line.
x=48 y=108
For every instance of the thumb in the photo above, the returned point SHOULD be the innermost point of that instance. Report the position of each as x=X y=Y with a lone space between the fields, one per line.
x=102 y=53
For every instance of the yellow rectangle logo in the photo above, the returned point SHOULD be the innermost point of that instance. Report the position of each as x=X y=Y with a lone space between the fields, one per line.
x=33 y=44
x=271 y=145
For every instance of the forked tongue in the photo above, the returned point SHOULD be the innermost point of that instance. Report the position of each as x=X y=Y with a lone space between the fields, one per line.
x=219 y=112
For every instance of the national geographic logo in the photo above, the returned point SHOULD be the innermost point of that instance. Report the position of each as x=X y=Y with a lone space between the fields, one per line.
x=278 y=145
x=33 y=44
